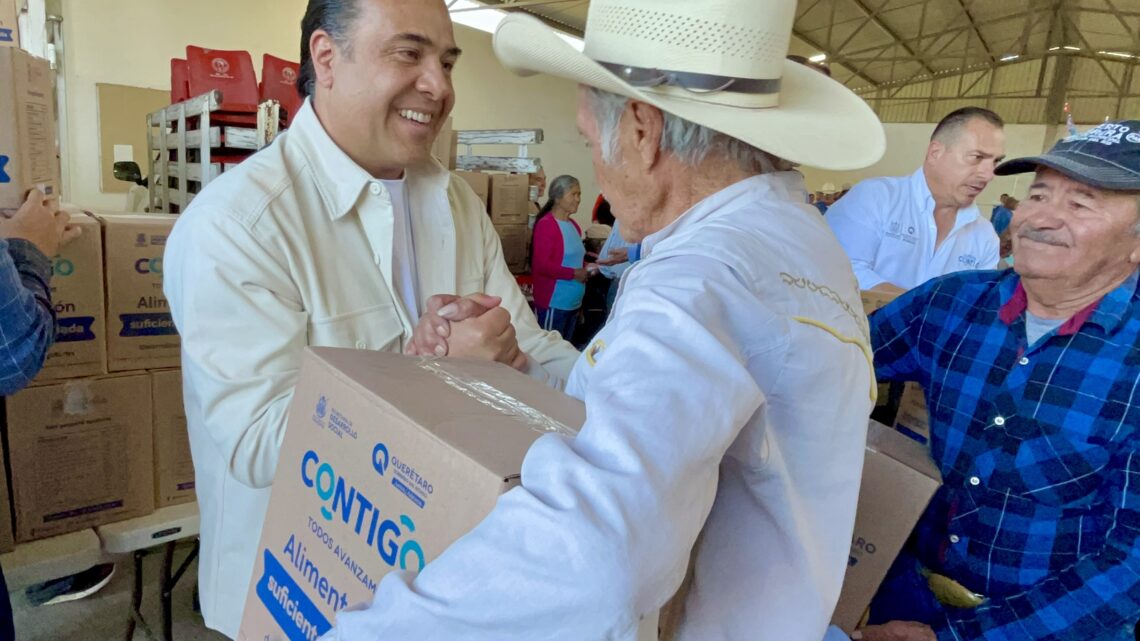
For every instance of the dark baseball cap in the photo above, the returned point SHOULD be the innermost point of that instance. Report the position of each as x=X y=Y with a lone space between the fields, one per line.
x=1106 y=157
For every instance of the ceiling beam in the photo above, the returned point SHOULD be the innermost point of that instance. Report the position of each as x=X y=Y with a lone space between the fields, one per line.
x=1124 y=23
x=837 y=59
x=887 y=29
x=1088 y=47
x=977 y=32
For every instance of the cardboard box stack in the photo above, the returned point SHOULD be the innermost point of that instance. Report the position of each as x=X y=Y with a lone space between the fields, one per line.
x=141 y=333
x=27 y=126
x=510 y=199
x=515 y=240
x=173 y=466
x=9 y=30
x=480 y=184
x=98 y=437
x=510 y=210
x=423 y=457
x=899 y=479
x=81 y=454
x=80 y=347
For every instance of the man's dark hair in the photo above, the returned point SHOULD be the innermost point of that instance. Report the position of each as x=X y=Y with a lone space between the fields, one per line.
x=959 y=118
x=334 y=17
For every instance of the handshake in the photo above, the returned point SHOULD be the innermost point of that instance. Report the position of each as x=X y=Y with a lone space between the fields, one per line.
x=472 y=326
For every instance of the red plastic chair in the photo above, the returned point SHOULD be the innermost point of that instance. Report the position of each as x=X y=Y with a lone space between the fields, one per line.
x=179 y=80
x=279 y=82
x=230 y=72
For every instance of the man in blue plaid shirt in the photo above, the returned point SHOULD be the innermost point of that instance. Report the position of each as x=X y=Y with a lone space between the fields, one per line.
x=27 y=321
x=1032 y=378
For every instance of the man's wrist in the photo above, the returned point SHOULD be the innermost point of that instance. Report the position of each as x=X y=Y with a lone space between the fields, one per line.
x=29 y=258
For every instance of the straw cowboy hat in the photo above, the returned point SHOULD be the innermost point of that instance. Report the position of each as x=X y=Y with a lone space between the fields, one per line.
x=717 y=63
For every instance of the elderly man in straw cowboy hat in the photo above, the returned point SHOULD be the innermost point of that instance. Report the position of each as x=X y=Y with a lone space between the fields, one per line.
x=727 y=398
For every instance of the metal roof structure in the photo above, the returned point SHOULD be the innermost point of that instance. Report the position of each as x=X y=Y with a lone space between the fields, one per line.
x=915 y=60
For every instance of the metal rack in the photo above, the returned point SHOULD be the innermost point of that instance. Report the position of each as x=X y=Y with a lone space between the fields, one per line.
x=187 y=149
x=520 y=164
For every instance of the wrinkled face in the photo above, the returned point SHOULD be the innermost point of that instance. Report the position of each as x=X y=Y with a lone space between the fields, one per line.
x=385 y=97
x=959 y=168
x=620 y=181
x=571 y=200
x=1068 y=230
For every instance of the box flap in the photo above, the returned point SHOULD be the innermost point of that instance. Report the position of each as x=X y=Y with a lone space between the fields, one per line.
x=488 y=411
x=903 y=449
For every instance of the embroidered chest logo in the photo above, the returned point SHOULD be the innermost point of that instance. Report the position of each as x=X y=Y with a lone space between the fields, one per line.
x=896 y=231
x=594 y=351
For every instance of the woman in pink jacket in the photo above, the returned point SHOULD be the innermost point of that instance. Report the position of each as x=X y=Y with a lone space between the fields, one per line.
x=557 y=259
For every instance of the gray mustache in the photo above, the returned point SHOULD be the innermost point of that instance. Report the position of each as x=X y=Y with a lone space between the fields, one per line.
x=1039 y=236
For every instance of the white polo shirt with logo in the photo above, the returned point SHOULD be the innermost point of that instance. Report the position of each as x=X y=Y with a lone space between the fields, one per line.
x=887 y=228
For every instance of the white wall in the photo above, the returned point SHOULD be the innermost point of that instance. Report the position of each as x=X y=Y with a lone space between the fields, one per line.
x=132 y=44
x=906 y=149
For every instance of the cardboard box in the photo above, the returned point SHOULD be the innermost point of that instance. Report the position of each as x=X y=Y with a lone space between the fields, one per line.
x=173 y=465
x=140 y=330
x=27 y=127
x=81 y=453
x=510 y=199
x=913 y=418
x=899 y=479
x=515 y=240
x=480 y=183
x=80 y=347
x=386 y=461
x=873 y=301
x=9 y=28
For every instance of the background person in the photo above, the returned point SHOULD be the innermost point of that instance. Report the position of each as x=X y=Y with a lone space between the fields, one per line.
x=558 y=259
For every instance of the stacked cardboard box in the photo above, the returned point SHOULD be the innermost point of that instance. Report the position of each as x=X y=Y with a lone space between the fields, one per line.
x=99 y=437
x=515 y=240
x=80 y=347
x=173 y=466
x=81 y=454
x=480 y=184
x=27 y=126
x=141 y=333
x=424 y=457
x=9 y=31
x=510 y=199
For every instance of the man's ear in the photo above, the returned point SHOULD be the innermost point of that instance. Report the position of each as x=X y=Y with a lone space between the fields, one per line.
x=323 y=52
x=647 y=126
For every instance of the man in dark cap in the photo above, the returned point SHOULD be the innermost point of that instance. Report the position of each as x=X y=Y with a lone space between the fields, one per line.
x=1031 y=377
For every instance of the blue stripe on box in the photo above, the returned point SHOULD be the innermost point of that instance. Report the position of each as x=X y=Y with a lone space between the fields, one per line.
x=290 y=607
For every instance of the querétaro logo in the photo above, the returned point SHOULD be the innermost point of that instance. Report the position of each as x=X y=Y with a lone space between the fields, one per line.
x=380 y=458
x=361 y=514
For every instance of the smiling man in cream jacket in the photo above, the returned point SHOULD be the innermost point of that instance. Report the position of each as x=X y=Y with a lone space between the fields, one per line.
x=336 y=235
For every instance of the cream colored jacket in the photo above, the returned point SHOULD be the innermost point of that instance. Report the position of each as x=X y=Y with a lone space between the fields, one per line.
x=294 y=248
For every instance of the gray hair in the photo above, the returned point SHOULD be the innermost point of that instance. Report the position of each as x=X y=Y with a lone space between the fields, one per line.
x=557 y=190
x=689 y=142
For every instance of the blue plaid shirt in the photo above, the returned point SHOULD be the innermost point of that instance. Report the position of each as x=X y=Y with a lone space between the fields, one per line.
x=27 y=319
x=1039 y=451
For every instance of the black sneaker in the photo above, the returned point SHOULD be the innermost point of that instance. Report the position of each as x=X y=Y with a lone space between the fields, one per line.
x=71 y=588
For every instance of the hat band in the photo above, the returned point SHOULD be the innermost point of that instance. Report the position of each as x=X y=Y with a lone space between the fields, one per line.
x=695 y=82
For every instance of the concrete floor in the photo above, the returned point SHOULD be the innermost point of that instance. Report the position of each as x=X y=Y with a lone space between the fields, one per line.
x=103 y=616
